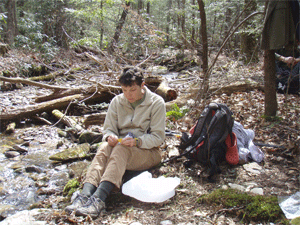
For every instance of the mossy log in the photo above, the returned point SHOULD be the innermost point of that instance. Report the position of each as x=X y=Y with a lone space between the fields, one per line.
x=48 y=77
x=68 y=121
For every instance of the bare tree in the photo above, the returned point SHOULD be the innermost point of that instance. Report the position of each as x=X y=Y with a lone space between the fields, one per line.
x=203 y=32
x=119 y=27
x=248 y=41
x=12 y=26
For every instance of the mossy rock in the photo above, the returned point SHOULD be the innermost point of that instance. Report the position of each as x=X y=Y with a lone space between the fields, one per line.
x=249 y=207
x=78 y=152
x=71 y=187
x=90 y=137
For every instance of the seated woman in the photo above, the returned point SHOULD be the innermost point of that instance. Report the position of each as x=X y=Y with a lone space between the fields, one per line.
x=134 y=129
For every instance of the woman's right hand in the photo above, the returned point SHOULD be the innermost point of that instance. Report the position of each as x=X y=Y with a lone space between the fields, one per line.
x=112 y=141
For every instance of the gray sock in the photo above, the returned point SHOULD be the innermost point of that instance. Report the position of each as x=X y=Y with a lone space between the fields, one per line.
x=88 y=189
x=104 y=190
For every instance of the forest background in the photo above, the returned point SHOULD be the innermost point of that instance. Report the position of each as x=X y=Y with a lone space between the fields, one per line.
x=136 y=29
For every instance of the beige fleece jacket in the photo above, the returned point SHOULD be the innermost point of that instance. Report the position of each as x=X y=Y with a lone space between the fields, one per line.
x=146 y=121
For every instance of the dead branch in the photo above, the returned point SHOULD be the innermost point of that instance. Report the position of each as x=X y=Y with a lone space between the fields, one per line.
x=33 y=83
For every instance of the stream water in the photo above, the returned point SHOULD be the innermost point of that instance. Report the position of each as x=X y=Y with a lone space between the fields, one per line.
x=25 y=179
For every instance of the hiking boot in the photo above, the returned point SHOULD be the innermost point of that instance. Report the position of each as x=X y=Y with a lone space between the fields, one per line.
x=78 y=202
x=93 y=207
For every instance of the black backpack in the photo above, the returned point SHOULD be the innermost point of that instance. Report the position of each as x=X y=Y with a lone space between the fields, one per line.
x=206 y=141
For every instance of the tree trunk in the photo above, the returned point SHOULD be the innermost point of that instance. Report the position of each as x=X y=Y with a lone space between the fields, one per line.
x=140 y=7
x=168 y=22
x=248 y=41
x=102 y=25
x=203 y=32
x=183 y=24
x=228 y=16
x=12 y=28
x=148 y=12
x=60 y=35
x=193 y=41
x=119 y=28
x=270 y=83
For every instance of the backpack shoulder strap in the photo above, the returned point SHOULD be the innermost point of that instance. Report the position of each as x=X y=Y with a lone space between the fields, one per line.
x=200 y=128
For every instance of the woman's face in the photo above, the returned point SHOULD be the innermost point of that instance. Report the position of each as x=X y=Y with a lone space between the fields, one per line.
x=133 y=93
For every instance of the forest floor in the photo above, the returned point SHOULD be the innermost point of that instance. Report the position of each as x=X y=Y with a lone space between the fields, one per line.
x=277 y=175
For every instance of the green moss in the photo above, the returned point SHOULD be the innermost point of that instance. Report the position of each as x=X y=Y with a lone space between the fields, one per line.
x=71 y=187
x=250 y=207
x=295 y=221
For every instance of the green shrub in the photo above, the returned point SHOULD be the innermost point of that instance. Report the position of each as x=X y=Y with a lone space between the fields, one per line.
x=176 y=113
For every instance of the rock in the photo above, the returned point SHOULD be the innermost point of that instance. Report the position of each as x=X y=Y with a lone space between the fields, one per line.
x=78 y=168
x=10 y=128
x=258 y=191
x=253 y=168
x=78 y=152
x=90 y=137
x=25 y=217
x=95 y=147
x=20 y=149
x=59 y=179
x=5 y=148
x=33 y=169
x=11 y=154
x=166 y=222
x=62 y=133
x=237 y=187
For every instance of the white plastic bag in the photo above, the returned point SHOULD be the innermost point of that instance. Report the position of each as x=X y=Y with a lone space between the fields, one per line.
x=290 y=205
x=147 y=189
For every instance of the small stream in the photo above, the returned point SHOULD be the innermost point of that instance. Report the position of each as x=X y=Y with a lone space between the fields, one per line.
x=29 y=178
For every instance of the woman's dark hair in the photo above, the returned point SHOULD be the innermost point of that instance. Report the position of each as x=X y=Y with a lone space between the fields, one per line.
x=131 y=76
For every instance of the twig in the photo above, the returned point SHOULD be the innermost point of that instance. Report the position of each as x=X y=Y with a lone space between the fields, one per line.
x=226 y=210
x=90 y=95
x=64 y=113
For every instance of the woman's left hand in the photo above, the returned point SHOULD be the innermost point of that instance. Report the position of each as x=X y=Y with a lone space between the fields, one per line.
x=128 y=141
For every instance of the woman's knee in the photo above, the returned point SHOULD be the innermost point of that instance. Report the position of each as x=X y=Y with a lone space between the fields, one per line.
x=104 y=149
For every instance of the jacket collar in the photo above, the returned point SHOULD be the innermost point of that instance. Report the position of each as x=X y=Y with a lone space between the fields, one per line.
x=148 y=100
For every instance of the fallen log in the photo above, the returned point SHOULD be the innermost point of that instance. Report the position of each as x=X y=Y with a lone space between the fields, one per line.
x=49 y=77
x=238 y=86
x=94 y=119
x=68 y=121
x=32 y=110
x=166 y=92
x=33 y=83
